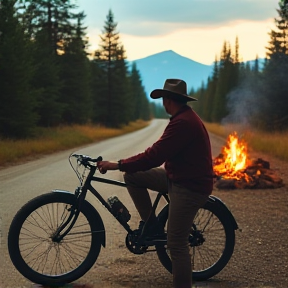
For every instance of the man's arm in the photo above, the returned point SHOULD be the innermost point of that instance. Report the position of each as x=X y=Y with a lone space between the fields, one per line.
x=174 y=138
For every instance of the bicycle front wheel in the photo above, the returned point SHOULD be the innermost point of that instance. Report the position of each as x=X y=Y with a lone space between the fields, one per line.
x=47 y=262
x=211 y=242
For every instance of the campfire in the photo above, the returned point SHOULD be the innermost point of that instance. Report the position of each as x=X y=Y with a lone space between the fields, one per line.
x=234 y=169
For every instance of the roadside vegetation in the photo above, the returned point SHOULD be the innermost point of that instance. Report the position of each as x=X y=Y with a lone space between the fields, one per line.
x=51 y=140
x=272 y=143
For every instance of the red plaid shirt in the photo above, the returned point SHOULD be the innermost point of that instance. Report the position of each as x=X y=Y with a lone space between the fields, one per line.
x=185 y=149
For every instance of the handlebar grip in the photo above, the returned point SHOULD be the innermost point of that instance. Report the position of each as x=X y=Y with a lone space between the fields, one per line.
x=96 y=159
x=103 y=171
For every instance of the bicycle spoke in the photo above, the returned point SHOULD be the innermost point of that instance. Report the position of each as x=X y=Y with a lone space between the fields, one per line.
x=77 y=245
x=73 y=255
x=44 y=255
x=31 y=236
x=41 y=218
x=36 y=224
x=38 y=259
x=204 y=256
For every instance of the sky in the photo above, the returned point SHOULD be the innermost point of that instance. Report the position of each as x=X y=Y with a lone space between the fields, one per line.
x=195 y=29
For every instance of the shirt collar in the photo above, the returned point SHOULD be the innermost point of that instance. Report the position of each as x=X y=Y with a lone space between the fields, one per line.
x=181 y=110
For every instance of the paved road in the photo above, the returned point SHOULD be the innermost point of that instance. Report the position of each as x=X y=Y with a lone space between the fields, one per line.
x=20 y=183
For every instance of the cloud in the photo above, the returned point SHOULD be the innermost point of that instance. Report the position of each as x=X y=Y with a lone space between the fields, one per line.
x=154 y=17
x=193 y=28
x=202 y=44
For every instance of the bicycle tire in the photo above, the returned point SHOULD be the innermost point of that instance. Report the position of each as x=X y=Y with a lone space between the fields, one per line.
x=35 y=222
x=213 y=255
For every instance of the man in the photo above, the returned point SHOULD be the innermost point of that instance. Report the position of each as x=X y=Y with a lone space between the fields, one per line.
x=185 y=149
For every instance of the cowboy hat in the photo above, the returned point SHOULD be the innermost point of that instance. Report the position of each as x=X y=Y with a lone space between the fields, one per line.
x=174 y=87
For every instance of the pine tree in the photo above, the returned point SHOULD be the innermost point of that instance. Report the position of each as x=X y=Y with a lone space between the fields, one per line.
x=108 y=55
x=244 y=98
x=236 y=65
x=256 y=65
x=111 y=59
x=139 y=101
x=55 y=16
x=17 y=97
x=61 y=62
x=158 y=111
x=145 y=111
x=121 y=112
x=200 y=95
x=274 y=107
x=227 y=81
x=46 y=81
x=98 y=84
x=75 y=76
x=205 y=95
x=220 y=103
x=279 y=37
x=210 y=93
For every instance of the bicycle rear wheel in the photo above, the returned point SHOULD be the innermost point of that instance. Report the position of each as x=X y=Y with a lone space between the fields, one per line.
x=212 y=241
x=43 y=261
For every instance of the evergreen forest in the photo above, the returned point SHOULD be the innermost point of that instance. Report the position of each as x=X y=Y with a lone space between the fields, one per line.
x=252 y=93
x=47 y=77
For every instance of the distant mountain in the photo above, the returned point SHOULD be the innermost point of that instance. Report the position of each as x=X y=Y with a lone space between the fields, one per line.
x=156 y=68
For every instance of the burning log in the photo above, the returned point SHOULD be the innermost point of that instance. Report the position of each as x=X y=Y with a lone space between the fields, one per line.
x=254 y=177
x=235 y=171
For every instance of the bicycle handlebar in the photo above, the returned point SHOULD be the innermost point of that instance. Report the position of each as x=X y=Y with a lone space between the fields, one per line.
x=84 y=159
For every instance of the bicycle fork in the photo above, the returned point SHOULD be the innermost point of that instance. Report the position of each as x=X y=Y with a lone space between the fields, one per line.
x=72 y=218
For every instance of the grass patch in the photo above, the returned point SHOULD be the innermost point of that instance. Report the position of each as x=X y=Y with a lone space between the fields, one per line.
x=274 y=143
x=50 y=140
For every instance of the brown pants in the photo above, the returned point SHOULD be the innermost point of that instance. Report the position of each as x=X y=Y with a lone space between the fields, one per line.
x=183 y=207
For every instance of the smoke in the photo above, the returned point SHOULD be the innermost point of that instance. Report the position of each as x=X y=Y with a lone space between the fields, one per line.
x=242 y=104
x=260 y=100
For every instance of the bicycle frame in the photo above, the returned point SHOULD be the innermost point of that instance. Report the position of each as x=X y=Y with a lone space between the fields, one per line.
x=81 y=192
x=89 y=187
x=212 y=234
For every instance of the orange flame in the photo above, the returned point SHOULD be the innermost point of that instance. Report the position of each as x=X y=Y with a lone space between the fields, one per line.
x=233 y=160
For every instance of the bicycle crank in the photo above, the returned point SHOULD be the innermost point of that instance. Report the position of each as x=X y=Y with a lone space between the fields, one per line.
x=134 y=245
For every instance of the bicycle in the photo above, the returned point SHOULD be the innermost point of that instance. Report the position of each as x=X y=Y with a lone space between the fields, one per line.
x=56 y=237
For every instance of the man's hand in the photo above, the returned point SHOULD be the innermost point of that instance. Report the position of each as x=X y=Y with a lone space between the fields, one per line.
x=104 y=166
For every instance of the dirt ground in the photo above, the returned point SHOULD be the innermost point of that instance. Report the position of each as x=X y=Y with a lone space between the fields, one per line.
x=260 y=257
